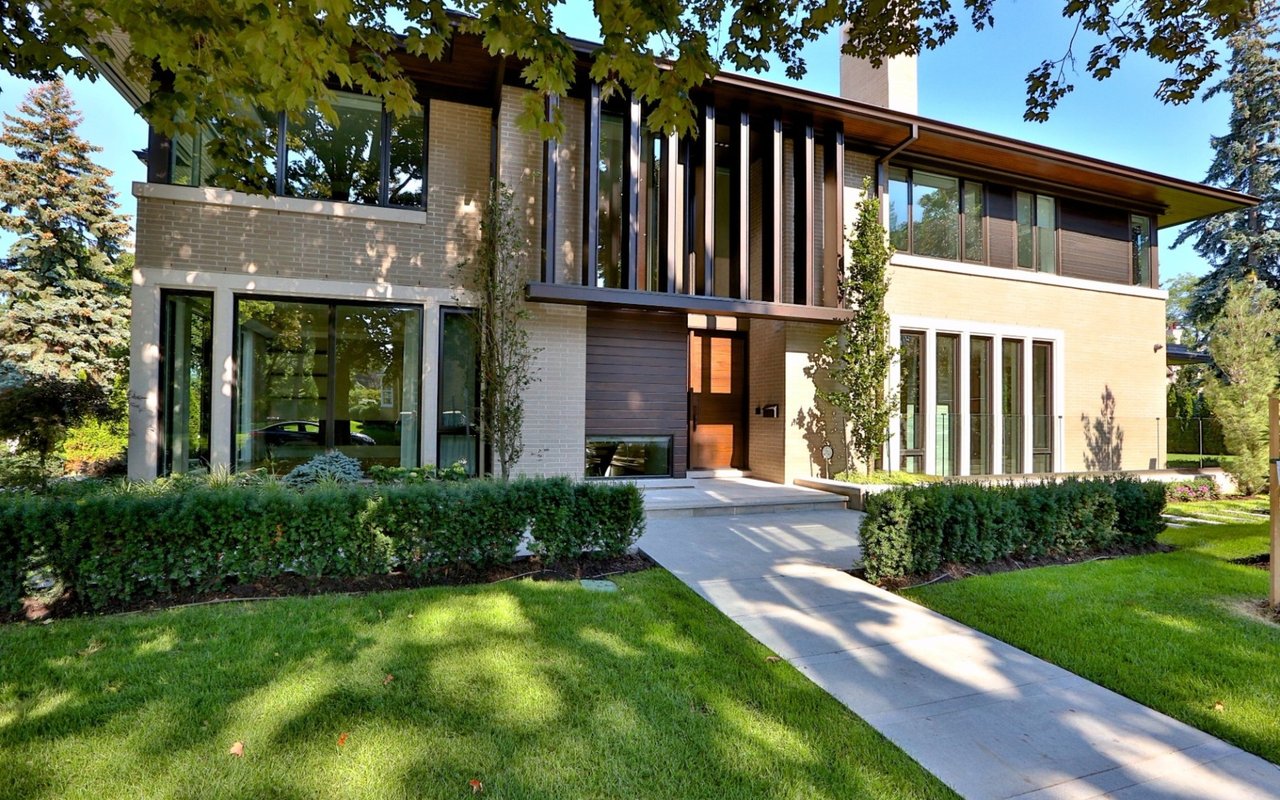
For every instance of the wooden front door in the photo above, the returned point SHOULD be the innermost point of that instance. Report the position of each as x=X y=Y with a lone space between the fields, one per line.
x=717 y=400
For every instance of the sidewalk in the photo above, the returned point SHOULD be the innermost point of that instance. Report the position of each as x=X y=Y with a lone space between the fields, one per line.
x=988 y=719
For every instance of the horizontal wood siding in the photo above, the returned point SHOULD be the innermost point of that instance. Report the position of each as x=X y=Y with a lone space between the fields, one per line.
x=1095 y=242
x=1002 y=227
x=637 y=377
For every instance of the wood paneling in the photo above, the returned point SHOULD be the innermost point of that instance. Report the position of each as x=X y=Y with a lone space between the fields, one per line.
x=718 y=400
x=637 y=373
x=1002 y=227
x=1095 y=242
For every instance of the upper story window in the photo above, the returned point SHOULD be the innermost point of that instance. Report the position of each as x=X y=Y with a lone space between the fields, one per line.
x=1140 y=239
x=363 y=156
x=1037 y=232
x=936 y=215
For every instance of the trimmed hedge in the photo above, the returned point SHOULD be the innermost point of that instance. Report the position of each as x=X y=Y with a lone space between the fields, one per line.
x=130 y=542
x=915 y=531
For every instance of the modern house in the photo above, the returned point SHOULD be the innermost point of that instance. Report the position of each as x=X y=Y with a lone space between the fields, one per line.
x=678 y=287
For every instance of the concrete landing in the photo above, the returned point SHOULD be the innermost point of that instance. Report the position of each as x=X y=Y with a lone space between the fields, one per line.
x=988 y=719
x=732 y=496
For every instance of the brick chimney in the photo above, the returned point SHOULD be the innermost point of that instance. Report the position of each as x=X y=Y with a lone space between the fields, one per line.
x=892 y=86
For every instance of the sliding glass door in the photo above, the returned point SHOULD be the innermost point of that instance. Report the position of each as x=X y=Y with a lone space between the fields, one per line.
x=316 y=376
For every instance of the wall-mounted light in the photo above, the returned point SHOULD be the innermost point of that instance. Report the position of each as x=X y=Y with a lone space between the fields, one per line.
x=771 y=410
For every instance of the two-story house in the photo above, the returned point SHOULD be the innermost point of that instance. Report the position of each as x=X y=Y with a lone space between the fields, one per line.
x=678 y=289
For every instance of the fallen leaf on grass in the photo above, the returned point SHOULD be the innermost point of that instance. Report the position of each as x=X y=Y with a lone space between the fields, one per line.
x=237 y=749
x=476 y=786
x=388 y=679
x=772 y=659
x=342 y=739
x=1218 y=706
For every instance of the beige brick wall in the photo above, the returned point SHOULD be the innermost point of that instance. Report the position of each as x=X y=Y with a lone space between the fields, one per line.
x=1110 y=347
x=209 y=237
x=555 y=405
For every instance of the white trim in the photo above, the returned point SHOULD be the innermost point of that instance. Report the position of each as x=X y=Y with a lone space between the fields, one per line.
x=963 y=393
x=144 y=433
x=966 y=329
x=1023 y=276
x=207 y=195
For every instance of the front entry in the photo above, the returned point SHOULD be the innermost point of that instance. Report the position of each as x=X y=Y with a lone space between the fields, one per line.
x=717 y=400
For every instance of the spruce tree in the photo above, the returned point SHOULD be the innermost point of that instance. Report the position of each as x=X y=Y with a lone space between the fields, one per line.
x=1246 y=159
x=63 y=310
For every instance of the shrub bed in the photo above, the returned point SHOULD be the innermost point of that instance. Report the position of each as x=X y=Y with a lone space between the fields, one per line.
x=130 y=542
x=915 y=531
x=1196 y=489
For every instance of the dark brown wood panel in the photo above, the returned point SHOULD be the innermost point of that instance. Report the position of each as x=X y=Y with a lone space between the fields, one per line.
x=1095 y=242
x=1002 y=227
x=637 y=372
x=717 y=400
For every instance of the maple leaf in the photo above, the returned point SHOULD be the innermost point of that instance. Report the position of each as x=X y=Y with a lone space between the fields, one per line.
x=476 y=786
x=237 y=749
x=342 y=739
x=772 y=659
x=388 y=679
x=1218 y=706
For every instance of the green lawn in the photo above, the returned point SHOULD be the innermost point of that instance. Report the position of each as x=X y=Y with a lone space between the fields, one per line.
x=1195 y=461
x=539 y=690
x=1251 y=511
x=1167 y=630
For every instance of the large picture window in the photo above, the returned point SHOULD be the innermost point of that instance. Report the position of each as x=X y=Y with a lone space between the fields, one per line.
x=1037 y=232
x=457 y=430
x=186 y=353
x=935 y=215
x=1140 y=243
x=314 y=376
x=911 y=399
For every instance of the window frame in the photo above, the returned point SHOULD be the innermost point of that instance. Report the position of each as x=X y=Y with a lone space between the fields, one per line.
x=1035 y=223
x=962 y=216
x=1147 y=249
x=164 y=457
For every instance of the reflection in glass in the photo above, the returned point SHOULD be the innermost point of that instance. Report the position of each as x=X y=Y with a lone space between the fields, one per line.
x=1026 y=230
x=899 y=209
x=628 y=456
x=1140 y=238
x=653 y=215
x=315 y=376
x=408 y=160
x=187 y=353
x=191 y=165
x=1011 y=403
x=912 y=402
x=1041 y=407
x=975 y=245
x=338 y=160
x=935 y=215
x=979 y=406
x=1046 y=234
x=610 y=216
x=458 y=429
x=947 y=406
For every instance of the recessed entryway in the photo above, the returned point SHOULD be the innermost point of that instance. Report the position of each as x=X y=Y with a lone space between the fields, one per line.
x=717 y=400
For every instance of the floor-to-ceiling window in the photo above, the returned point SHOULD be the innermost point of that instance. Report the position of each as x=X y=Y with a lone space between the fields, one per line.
x=946 y=408
x=1011 y=404
x=611 y=214
x=911 y=398
x=186 y=352
x=1042 y=407
x=980 y=405
x=312 y=376
x=457 y=430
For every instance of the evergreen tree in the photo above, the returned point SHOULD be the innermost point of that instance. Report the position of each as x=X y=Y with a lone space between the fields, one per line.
x=64 y=309
x=1247 y=159
x=857 y=356
x=1242 y=342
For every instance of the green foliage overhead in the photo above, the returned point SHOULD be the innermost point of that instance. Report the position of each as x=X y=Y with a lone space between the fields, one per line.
x=1242 y=342
x=222 y=57
x=65 y=314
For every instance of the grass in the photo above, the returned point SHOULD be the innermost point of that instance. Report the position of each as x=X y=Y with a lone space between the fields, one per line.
x=539 y=690
x=1194 y=461
x=1247 y=510
x=1169 y=630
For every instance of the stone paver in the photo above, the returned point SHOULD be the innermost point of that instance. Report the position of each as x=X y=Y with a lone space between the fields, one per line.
x=988 y=719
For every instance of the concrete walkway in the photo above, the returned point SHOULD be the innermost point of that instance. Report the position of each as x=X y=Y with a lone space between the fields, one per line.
x=988 y=719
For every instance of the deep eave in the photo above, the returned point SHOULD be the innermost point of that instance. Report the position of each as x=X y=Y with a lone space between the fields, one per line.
x=472 y=74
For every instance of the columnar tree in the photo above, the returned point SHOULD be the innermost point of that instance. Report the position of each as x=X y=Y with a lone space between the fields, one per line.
x=496 y=278
x=1246 y=159
x=64 y=313
x=1242 y=341
x=856 y=358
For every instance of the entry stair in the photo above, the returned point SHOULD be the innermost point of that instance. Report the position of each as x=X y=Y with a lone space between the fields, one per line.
x=732 y=496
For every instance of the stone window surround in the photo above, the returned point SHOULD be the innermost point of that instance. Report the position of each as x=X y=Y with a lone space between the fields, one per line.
x=965 y=329
x=144 y=379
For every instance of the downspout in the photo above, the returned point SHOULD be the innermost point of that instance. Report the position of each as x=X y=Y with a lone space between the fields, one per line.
x=882 y=174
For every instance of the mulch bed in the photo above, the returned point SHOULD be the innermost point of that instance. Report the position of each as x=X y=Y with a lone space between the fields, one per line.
x=955 y=572
x=42 y=610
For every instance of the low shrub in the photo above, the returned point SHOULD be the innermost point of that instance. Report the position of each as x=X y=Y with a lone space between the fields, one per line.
x=125 y=542
x=917 y=530
x=884 y=478
x=1196 y=489
x=424 y=474
x=330 y=467
x=96 y=448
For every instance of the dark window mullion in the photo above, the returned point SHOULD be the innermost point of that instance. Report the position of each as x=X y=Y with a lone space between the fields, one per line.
x=426 y=151
x=282 y=153
x=591 y=188
x=331 y=402
x=384 y=159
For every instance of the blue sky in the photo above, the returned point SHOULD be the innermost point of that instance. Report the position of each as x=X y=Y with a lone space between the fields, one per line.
x=976 y=80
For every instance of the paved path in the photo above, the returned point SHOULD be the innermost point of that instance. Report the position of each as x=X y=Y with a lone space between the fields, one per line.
x=988 y=719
